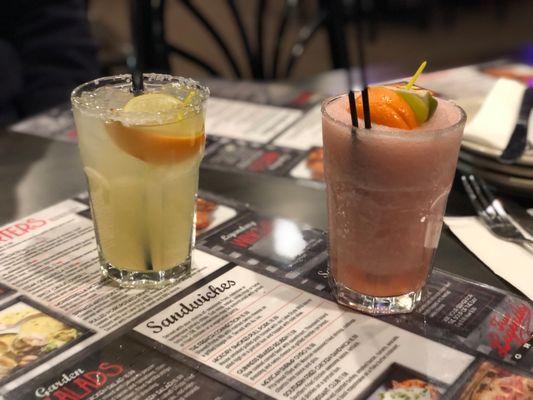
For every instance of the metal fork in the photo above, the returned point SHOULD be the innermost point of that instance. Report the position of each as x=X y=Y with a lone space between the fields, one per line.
x=492 y=212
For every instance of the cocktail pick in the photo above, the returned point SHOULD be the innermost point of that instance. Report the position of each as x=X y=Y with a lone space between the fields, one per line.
x=137 y=83
x=416 y=75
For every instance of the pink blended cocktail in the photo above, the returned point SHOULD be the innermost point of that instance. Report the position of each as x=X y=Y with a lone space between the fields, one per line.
x=387 y=190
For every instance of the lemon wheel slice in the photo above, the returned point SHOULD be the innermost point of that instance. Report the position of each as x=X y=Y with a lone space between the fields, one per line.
x=167 y=143
x=153 y=103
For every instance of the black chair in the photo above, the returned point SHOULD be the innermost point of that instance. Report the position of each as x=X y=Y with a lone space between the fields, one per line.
x=152 y=50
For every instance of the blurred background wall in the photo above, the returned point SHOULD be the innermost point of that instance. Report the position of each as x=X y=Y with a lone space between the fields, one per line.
x=399 y=32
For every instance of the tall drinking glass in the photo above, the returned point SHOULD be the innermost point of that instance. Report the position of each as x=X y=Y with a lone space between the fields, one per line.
x=141 y=156
x=387 y=191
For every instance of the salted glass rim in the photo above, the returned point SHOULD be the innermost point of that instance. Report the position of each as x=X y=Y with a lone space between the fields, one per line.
x=151 y=80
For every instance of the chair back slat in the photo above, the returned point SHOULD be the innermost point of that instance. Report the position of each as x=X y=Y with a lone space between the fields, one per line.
x=282 y=27
x=215 y=35
x=195 y=59
x=152 y=50
x=305 y=34
x=252 y=60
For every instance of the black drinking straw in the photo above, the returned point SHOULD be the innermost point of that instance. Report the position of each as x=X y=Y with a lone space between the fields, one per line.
x=137 y=82
x=362 y=67
x=137 y=88
x=353 y=108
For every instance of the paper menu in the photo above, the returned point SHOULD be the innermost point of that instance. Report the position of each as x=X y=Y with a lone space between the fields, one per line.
x=228 y=118
x=247 y=121
x=305 y=133
x=509 y=260
x=290 y=344
x=278 y=334
x=125 y=369
x=49 y=259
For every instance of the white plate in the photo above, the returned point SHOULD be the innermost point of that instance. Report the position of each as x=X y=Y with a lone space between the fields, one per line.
x=521 y=171
x=507 y=183
x=475 y=147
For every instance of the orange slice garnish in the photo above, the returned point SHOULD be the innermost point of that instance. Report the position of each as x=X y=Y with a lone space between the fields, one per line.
x=182 y=137
x=388 y=108
x=155 y=148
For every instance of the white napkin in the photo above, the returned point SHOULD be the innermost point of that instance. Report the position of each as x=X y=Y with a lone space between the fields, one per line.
x=509 y=260
x=495 y=121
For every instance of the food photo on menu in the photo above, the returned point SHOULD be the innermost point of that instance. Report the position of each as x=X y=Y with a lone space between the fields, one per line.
x=204 y=214
x=30 y=335
x=491 y=382
x=399 y=383
x=315 y=163
x=5 y=291
x=212 y=212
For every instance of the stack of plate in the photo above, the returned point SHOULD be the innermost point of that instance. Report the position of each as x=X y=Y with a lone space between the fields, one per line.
x=483 y=161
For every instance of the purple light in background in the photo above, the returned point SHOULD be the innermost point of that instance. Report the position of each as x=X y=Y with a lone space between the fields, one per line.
x=526 y=54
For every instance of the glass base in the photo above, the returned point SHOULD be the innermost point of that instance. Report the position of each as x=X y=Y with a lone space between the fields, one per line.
x=146 y=279
x=401 y=304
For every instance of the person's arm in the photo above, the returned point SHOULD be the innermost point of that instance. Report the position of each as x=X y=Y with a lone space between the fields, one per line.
x=56 y=50
x=10 y=82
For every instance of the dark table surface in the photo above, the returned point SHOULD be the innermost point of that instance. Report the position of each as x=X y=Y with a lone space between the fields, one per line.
x=36 y=173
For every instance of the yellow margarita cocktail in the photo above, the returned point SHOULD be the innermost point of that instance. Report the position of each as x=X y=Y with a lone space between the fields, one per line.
x=141 y=156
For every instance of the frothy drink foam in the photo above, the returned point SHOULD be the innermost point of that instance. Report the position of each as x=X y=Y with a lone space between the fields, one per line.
x=387 y=191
